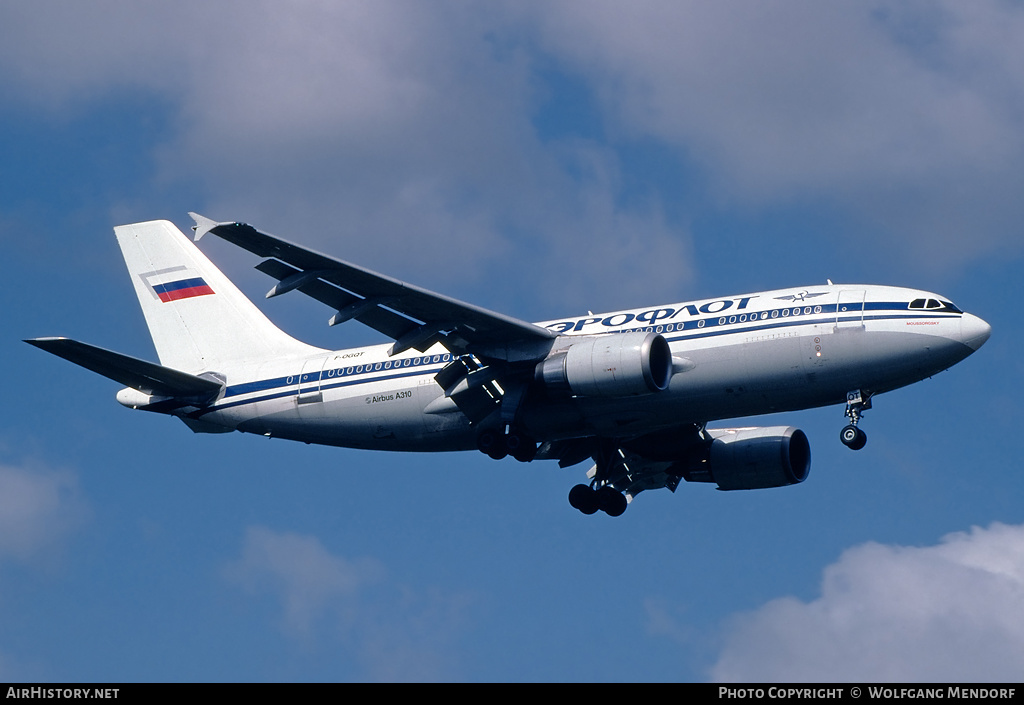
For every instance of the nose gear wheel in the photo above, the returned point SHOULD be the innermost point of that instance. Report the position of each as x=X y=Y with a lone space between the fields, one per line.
x=857 y=402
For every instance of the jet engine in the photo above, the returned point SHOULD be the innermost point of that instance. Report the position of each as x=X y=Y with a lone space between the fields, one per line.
x=752 y=458
x=617 y=365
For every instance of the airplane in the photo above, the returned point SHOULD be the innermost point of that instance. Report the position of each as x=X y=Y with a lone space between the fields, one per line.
x=631 y=390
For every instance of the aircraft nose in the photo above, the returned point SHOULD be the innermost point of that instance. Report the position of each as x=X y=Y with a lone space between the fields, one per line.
x=974 y=331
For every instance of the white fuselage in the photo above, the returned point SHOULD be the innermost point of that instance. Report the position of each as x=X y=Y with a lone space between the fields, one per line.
x=740 y=356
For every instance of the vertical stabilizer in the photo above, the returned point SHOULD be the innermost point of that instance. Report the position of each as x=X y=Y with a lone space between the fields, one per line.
x=198 y=319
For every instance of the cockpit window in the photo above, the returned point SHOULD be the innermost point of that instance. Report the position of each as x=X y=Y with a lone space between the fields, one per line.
x=933 y=305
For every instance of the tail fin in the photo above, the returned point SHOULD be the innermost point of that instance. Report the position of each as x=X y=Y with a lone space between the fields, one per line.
x=198 y=319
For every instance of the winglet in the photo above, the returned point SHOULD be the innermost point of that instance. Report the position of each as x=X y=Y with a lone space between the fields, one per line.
x=203 y=225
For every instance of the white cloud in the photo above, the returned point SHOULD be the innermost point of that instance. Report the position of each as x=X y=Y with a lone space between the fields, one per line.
x=397 y=633
x=907 y=115
x=38 y=508
x=949 y=612
x=401 y=134
x=309 y=579
x=397 y=134
x=405 y=141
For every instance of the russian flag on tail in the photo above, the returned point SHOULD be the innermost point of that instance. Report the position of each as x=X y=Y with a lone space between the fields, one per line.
x=182 y=289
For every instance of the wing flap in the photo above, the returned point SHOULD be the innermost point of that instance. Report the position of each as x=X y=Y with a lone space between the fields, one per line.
x=368 y=311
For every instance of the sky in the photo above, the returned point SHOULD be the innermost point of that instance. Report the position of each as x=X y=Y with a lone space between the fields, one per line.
x=541 y=159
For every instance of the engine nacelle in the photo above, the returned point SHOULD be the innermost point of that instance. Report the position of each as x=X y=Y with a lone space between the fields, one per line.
x=617 y=365
x=754 y=458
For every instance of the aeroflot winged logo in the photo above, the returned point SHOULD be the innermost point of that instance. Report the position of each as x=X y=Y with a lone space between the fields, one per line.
x=800 y=296
x=175 y=284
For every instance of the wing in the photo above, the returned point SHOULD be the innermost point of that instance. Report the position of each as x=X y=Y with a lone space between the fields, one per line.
x=411 y=316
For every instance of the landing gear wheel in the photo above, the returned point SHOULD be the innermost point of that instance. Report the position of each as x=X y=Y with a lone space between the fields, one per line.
x=852 y=437
x=583 y=498
x=520 y=447
x=492 y=443
x=613 y=503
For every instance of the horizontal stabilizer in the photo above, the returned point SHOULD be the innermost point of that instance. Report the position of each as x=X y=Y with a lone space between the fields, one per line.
x=147 y=377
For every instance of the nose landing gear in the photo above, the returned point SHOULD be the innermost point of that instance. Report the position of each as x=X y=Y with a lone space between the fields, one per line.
x=852 y=437
x=857 y=402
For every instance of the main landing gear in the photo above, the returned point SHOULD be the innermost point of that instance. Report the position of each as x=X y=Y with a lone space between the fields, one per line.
x=589 y=500
x=497 y=444
x=609 y=471
x=851 y=436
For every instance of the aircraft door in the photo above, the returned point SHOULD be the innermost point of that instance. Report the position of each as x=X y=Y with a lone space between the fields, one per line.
x=850 y=309
x=309 y=381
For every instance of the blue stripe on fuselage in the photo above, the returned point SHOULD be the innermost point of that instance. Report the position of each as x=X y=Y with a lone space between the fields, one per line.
x=710 y=326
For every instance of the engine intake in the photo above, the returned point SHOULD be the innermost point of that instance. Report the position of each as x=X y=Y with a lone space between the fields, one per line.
x=617 y=365
x=753 y=458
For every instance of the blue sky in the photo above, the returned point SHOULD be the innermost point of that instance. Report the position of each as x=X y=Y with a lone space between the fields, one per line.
x=540 y=159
